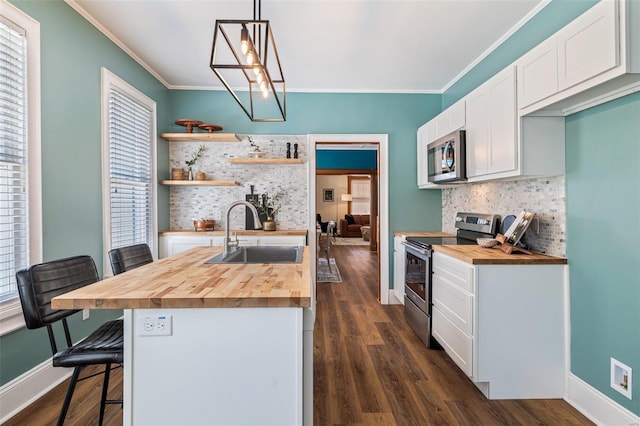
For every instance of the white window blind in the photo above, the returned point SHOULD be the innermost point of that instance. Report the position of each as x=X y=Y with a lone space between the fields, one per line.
x=14 y=185
x=360 y=193
x=130 y=170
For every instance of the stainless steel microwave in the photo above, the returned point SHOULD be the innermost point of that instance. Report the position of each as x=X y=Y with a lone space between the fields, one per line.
x=446 y=159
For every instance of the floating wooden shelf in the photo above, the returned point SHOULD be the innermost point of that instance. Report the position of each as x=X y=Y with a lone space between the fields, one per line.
x=201 y=137
x=200 y=182
x=265 y=160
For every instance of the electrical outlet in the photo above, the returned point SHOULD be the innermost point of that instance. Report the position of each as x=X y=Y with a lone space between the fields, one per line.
x=154 y=325
x=85 y=314
x=621 y=377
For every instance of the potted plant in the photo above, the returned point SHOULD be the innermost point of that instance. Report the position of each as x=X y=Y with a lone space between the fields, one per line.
x=194 y=158
x=256 y=153
x=270 y=205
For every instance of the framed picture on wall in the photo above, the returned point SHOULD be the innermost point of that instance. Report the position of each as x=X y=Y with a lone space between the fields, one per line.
x=327 y=194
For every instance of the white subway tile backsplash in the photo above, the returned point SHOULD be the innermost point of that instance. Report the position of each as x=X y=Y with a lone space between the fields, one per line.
x=187 y=203
x=543 y=196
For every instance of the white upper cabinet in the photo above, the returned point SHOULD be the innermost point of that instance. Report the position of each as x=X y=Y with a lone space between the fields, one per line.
x=491 y=137
x=538 y=73
x=592 y=60
x=589 y=45
x=450 y=120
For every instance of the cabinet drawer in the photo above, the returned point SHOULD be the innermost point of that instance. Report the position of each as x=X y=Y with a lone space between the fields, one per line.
x=454 y=303
x=457 y=272
x=455 y=342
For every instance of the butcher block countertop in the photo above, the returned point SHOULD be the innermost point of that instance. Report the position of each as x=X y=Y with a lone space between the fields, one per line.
x=422 y=234
x=477 y=255
x=238 y=232
x=185 y=281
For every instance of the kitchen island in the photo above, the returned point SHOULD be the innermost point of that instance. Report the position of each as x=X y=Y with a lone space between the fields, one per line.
x=215 y=344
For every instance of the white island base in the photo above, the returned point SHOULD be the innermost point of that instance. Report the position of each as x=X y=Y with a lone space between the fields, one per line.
x=219 y=366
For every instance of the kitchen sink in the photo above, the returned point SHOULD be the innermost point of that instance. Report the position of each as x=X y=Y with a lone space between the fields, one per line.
x=261 y=254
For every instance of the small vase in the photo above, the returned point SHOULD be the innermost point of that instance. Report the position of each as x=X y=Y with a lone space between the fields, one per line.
x=190 y=174
x=269 y=224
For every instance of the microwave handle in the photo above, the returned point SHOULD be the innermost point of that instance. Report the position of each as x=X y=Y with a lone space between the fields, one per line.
x=419 y=250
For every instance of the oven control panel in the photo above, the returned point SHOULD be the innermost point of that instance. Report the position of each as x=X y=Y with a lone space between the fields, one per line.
x=479 y=222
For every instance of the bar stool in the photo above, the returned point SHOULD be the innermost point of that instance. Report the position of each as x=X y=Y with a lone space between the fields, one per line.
x=124 y=259
x=40 y=283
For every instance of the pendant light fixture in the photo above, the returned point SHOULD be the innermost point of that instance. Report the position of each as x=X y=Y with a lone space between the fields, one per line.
x=245 y=59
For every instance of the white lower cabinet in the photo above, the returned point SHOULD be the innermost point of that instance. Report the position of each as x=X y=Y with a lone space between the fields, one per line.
x=503 y=325
x=174 y=244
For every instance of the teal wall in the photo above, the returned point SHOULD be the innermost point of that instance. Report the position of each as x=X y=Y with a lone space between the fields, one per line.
x=603 y=204
x=72 y=52
x=346 y=159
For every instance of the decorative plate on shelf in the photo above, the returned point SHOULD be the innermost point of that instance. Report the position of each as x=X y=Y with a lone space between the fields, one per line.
x=188 y=123
x=210 y=128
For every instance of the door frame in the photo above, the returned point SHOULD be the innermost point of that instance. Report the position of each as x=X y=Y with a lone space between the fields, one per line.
x=383 y=210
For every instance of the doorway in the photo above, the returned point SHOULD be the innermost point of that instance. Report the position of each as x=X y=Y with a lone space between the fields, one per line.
x=379 y=222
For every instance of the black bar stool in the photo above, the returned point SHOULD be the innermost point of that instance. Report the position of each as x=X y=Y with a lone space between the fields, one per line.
x=124 y=259
x=37 y=285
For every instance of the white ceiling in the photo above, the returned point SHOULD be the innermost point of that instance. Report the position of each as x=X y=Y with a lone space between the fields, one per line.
x=420 y=46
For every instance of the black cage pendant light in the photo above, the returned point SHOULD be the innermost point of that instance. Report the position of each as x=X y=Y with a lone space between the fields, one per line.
x=245 y=59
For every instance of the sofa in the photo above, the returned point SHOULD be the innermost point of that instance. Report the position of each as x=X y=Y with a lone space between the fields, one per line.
x=351 y=224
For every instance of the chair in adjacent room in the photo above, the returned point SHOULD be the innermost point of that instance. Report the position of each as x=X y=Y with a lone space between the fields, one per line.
x=124 y=259
x=325 y=245
x=40 y=283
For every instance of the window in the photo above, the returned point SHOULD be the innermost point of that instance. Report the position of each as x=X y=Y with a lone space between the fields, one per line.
x=360 y=190
x=128 y=163
x=20 y=187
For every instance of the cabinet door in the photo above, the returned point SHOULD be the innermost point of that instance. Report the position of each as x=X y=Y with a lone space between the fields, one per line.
x=457 y=344
x=477 y=138
x=538 y=73
x=589 y=45
x=502 y=124
x=178 y=244
x=421 y=152
x=282 y=240
x=456 y=116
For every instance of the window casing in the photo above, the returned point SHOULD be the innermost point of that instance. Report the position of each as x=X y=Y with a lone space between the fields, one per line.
x=20 y=164
x=128 y=166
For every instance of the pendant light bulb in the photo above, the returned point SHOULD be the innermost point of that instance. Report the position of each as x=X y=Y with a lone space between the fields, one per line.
x=256 y=71
x=244 y=41
x=265 y=93
x=251 y=57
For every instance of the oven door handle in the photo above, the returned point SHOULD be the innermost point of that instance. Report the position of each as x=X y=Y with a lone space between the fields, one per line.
x=412 y=247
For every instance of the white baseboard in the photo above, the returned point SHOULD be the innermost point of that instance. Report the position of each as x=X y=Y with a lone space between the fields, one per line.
x=599 y=408
x=395 y=299
x=27 y=388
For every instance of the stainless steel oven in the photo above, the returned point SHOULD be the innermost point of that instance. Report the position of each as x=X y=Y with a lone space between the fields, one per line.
x=418 y=268
x=417 y=285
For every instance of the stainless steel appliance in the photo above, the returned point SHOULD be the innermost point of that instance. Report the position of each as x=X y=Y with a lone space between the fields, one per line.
x=418 y=267
x=446 y=159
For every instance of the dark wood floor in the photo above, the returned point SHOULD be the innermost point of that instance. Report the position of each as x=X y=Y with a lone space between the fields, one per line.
x=369 y=369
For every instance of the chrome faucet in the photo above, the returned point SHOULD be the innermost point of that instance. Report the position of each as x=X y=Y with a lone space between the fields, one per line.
x=256 y=219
